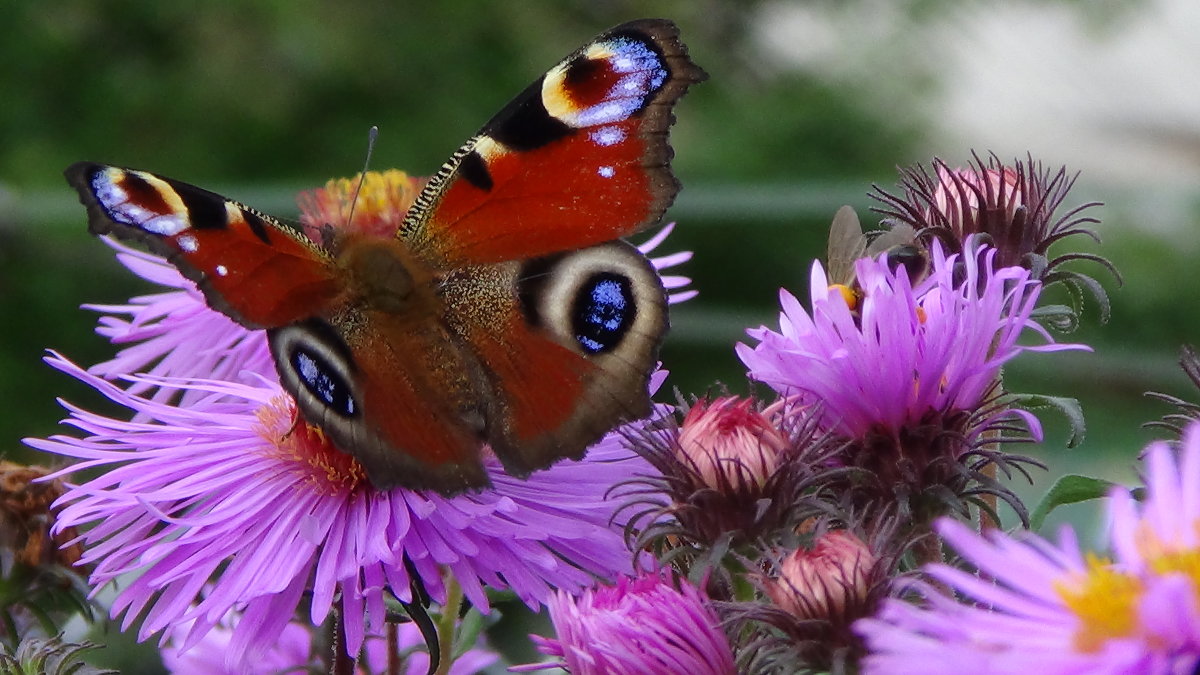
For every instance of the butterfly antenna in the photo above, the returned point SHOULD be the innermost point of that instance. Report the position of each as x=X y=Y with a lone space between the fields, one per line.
x=372 y=135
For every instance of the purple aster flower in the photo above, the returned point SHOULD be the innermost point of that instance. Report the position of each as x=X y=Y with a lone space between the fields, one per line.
x=174 y=333
x=938 y=346
x=911 y=376
x=651 y=625
x=1052 y=609
x=220 y=490
x=217 y=499
x=292 y=653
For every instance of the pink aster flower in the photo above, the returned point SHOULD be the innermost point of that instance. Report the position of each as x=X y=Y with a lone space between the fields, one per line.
x=215 y=500
x=725 y=470
x=651 y=625
x=910 y=378
x=730 y=444
x=1052 y=608
x=821 y=581
x=1014 y=207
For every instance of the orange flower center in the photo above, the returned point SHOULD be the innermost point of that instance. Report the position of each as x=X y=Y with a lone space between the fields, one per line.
x=379 y=207
x=305 y=447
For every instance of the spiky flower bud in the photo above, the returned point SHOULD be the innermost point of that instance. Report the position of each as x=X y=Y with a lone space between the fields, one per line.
x=820 y=581
x=730 y=443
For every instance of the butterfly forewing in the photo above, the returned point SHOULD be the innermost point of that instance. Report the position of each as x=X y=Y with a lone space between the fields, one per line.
x=250 y=266
x=579 y=158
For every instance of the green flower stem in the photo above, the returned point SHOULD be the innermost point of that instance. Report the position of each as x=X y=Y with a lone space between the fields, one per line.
x=447 y=623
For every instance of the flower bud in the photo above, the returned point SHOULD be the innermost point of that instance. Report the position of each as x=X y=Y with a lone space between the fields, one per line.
x=820 y=582
x=961 y=193
x=730 y=444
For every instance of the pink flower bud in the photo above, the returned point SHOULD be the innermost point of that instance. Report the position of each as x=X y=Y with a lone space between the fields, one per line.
x=819 y=582
x=730 y=444
x=961 y=193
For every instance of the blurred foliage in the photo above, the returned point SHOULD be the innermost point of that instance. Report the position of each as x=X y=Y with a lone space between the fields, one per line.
x=263 y=97
x=288 y=89
x=271 y=93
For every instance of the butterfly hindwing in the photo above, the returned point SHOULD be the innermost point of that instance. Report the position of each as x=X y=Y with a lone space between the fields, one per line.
x=579 y=158
x=606 y=306
x=399 y=395
x=567 y=343
x=250 y=266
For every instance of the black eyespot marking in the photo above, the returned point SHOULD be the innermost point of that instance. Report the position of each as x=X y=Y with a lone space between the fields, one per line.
x=603 y=312
x=323 y=381
x=475 y=171
x=525 y=124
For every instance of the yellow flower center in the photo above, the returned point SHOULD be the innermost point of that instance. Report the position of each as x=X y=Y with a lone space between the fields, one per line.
x=383 y=192
x=380 y=207
x=1186 y=562
x=1105 y=601
x=1169 y=557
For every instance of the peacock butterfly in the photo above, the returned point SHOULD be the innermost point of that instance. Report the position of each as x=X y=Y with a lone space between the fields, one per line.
x=505 y=311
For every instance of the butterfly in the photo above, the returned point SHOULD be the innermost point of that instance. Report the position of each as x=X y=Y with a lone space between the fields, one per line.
x=506 y=311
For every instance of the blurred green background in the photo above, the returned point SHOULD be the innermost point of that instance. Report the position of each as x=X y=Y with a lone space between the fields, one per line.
x=808 y=104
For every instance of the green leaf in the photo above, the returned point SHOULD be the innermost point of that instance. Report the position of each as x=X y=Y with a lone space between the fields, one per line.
x=1068 y=407
x=1069 y=489
x=468 y=631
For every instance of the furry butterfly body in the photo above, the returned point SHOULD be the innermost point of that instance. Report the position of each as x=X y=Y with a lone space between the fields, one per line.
x=505 y=311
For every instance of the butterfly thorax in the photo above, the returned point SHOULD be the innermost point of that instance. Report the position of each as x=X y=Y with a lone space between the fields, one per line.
x=383 y=275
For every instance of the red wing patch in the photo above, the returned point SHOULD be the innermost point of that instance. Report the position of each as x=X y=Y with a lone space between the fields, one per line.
x=579 y=158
